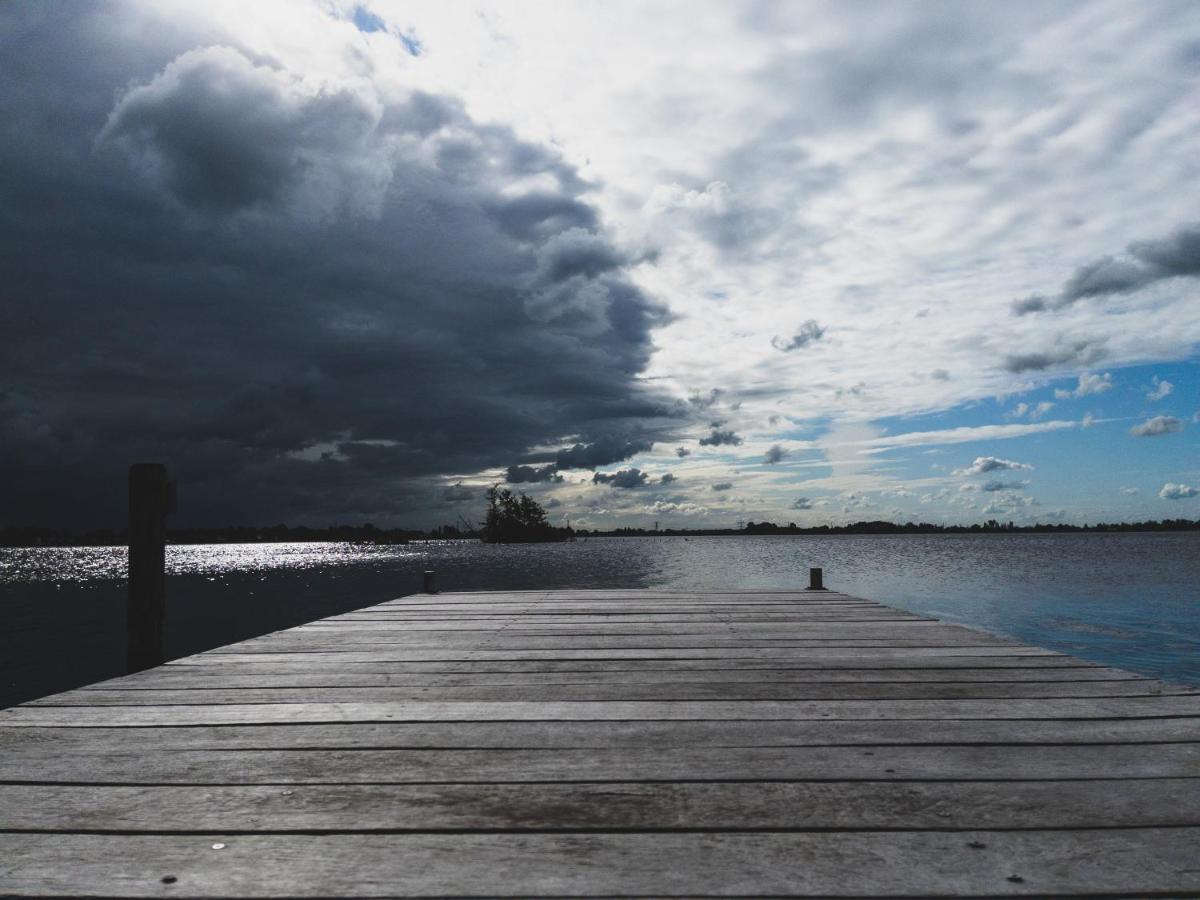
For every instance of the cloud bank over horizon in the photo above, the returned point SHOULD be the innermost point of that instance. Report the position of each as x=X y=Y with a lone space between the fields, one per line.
x=340 y=261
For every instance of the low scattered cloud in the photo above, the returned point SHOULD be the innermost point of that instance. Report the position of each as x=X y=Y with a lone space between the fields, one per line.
x=993 y=486
x=668 y=478
x=625 y=478
x=1171 y=491
x=706 y=401
x=984 y=464
x=808 y=333
x=458 y=492
x=854 y=390
x=1161 y=389
x=602 y=451
x=1033 y=411
x=1128 y=491
x=1084 y=352
x=1008 y=504
x=774 y=454
x=1089 y=383
x=722 y=486
x=718 y=438
x=940 y=375
x=531 y=474
x=1159 y=425
x=681 y=452
x=802 y=503
x=1177 y=255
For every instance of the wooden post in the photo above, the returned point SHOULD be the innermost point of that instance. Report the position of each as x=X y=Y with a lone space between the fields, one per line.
x=816 y=580
x=151 y=497
x=430 y=584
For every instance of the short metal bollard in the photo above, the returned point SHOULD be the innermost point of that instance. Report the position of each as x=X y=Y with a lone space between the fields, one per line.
x=430 y=582
x=816 y=580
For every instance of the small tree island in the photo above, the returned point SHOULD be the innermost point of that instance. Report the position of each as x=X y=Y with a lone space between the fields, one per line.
x=517 y=519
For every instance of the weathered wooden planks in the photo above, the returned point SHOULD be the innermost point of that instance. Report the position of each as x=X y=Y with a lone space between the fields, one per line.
x=608 y=743
x=607 y=806
x=839 y=763
x=556 y=711
x=673 y=692
x=1121 y=862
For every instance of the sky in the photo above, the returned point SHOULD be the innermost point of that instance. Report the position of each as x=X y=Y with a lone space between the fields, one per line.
x=691 y=263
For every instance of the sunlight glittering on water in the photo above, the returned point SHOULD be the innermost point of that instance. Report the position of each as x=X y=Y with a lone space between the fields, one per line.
x=79 y=564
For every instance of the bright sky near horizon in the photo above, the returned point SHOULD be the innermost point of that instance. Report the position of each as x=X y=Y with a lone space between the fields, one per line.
x=691 y=263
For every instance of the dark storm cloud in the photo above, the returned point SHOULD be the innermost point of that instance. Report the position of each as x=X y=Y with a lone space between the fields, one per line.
x=808 y=333
x=531 y=475
x=681 y=452
x=668 y=478
x=537 y=216
x=308 y=300
x=718 y=437
x=577 y=252
x=1176 y=255
x=625 y=478
x=222 y=134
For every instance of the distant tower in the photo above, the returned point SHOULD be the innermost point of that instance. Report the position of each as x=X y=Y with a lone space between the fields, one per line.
x=656 y=524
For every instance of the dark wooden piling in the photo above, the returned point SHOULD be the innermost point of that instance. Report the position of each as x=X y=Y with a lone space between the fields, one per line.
x=151 y=498
x=429 y=582
x=816 y=580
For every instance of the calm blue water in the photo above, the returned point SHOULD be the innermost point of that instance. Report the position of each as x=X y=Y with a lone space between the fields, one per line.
x=1131 y=600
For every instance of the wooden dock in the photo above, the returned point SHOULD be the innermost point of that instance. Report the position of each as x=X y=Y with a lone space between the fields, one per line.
x=608 y=743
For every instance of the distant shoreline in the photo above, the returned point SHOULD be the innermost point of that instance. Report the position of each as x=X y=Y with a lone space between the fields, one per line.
x=15 y=537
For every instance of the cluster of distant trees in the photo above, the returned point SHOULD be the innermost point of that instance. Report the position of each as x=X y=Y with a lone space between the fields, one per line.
x=516 y=518
x=880 y=527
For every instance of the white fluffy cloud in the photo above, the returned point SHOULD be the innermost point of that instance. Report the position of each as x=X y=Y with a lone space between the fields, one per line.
x=1089 y=383
x=984 y=464
x=1159 y=425
x=1172 y=491
x=1161 y=389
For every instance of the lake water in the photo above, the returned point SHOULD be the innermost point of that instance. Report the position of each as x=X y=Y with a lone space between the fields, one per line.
x=1130 y=600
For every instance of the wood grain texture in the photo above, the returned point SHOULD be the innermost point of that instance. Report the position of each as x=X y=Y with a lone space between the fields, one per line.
x=653 y=806
x=1121 y=862
x=608 y=743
